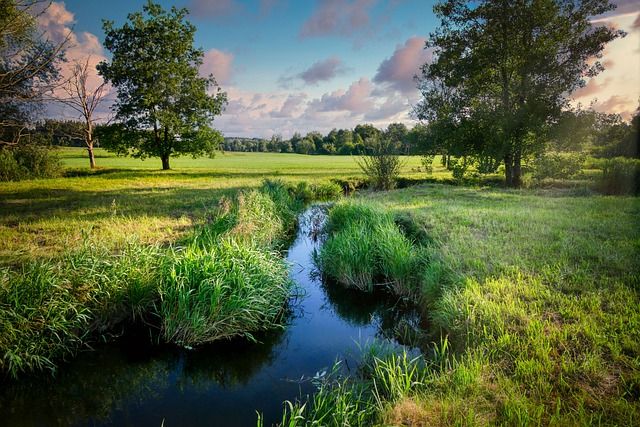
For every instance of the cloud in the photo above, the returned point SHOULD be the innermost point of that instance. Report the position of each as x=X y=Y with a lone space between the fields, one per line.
x=291 y=106
x=618 y=104
x=355 y=100
x=218 y=63
x=392 y=107
x=592 y=87
x=56 y=24
x=213 y=8
x=338 y=17
x=619 y=84
x=399 y=70
x=322 y=70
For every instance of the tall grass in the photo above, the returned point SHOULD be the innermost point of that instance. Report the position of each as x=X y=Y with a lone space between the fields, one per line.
x=226 y=280
x=365 y=248
x=48 y=310
x=231 y=289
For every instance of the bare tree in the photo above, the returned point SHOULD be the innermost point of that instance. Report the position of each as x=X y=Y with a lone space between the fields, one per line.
x=84 y=101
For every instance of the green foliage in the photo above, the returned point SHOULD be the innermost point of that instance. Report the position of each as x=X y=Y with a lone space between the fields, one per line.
x=365 y=247
x=28 y=68
x=620 y=176
x=163 y=105
x=48 y=310
x=227 y=281
x=28 y=161
x=231 y=289
x=381 y=165
x=502 y=72
x=557 y=165
x=427 y=163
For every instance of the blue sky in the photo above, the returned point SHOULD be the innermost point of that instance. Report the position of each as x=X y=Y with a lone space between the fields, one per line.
x=302 y=65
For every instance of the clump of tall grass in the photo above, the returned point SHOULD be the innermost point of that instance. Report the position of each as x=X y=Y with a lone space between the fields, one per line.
x=365 y=247
x=49 y=310
x=231 y=289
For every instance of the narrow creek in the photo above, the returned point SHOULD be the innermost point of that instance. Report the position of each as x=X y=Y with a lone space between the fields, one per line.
x=132 y=382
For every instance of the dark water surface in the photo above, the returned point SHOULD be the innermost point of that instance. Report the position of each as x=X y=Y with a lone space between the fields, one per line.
x=132 y=382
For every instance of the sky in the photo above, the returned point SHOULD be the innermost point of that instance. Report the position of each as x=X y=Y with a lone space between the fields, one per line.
x=303 y=65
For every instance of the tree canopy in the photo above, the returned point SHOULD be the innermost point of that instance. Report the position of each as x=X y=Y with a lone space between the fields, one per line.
x=163 y=107
x=503 y=70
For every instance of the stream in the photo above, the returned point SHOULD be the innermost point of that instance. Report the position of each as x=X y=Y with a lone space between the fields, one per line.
x=133 y=382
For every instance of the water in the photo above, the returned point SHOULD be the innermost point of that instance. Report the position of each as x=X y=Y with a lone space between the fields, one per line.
x=132 y=382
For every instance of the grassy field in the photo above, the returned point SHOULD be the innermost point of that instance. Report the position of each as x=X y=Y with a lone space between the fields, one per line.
x=536 y=291
x=533 y=300
x=131 y=198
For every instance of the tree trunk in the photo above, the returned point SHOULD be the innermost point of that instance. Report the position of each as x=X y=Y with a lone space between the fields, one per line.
x=516 y=178
x=508 y=170
x=92 y=158
x=165 y=162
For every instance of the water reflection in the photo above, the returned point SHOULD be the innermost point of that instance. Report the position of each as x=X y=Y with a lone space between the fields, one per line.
x=132 y=382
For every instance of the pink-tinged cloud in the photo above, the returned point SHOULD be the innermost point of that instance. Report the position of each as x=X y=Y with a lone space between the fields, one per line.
x=218 y=63
x=399 y=70
x=292 y=106
x=356 y=100
x=617 y=88
x=213 y=8
x=323 y=70
x=55 y=22
x=338 y=17
x=593 y=87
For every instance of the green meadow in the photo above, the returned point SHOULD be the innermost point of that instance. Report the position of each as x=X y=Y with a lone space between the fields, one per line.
x=531 y=295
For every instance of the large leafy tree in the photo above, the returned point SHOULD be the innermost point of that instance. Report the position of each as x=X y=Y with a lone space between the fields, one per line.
x=163 y=107
x=503 y=70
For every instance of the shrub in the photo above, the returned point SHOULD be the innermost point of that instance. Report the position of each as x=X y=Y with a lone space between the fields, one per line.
x=620 y=175
x=557 y=165
x=427 y=163
x=28 y=161
x=349 y=185
x=382 y=166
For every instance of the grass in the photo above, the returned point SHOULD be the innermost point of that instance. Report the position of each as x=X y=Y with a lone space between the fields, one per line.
x=365 y=248
x=536 y=291
x=537 y=294
x=129 y=197
x=220 y=284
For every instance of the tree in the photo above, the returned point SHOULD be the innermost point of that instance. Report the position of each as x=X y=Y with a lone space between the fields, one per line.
x=83 y=99
x=163 y=105
x=28 y=67
x=503 y=70
x=397 y=133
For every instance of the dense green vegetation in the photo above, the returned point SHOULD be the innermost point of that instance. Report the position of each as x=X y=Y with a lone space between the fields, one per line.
x=223 y=280
x=536 y=296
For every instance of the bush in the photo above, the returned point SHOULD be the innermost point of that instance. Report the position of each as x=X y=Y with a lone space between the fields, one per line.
x=349 y=185
x=382 y=165
x=28 y=161
x=557 y=165
x=620 y=175
x=427 y=163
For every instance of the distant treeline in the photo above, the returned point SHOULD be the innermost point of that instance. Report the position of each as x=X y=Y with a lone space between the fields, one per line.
x=360 y=140
x=586 y=131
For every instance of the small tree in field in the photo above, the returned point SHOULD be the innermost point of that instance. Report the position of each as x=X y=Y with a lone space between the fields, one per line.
x=163 y=107
x=83 y=99
x=381 y=165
